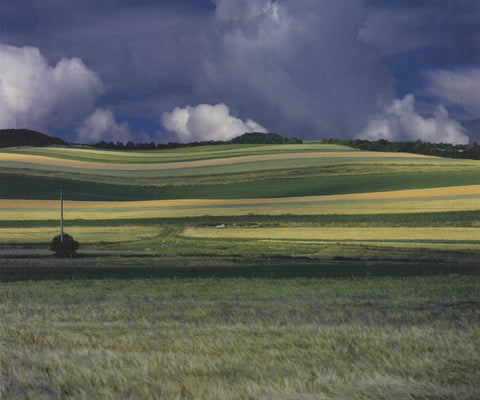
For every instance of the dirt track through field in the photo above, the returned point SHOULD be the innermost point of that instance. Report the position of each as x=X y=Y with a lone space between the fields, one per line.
x=62 y=163
x=396 y=194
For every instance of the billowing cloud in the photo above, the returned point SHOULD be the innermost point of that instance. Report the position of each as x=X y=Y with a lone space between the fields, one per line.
x=101 y=125
x=399 y=122
x=207 y=122
x=296 y=65
x=35 y=95
x=460 y=87
x=304 y=68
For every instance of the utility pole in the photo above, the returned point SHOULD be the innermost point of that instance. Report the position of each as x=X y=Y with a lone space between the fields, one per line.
x=61 y=214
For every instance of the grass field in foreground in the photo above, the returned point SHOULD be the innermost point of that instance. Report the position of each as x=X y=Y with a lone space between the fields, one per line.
x=377 y=338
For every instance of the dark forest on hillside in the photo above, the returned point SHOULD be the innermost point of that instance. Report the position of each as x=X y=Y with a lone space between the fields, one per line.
x=418 y=147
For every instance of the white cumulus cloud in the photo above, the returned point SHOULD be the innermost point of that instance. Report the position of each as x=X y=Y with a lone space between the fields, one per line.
x=400 y=122
x=460 y=87
x=101 y=125
x=35 y=95
x=207 y=122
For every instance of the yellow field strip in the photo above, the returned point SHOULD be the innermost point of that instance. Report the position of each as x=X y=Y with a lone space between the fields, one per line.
x=396 y=194
x=459 y=203
x=84 y=235
x=340 y=234
x=57 y=162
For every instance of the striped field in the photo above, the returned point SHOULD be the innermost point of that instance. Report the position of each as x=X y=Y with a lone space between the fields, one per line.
x=228 y=181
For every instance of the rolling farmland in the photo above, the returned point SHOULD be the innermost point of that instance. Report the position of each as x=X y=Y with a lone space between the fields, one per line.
x=227 y=272
x=231 y=181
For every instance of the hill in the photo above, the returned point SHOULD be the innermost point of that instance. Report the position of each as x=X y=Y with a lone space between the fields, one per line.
x=27 y=137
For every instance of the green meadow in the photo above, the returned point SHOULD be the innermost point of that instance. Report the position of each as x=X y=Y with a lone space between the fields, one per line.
x=306 y=271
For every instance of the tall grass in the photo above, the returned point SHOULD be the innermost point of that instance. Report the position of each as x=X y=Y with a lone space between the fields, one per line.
x=379 y=338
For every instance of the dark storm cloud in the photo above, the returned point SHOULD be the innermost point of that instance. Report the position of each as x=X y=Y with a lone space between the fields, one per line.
x=306 y=68
x=297 y=67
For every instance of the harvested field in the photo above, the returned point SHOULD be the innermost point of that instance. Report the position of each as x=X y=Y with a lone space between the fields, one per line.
x=341 y=234
x=83 y=235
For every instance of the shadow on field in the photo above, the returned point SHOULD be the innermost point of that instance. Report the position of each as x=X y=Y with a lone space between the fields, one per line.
x=138 y=268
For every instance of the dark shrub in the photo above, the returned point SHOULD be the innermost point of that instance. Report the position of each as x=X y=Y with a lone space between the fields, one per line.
x=67 y=248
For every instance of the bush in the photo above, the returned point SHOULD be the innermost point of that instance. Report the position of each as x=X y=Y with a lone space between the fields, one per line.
x=67 y=248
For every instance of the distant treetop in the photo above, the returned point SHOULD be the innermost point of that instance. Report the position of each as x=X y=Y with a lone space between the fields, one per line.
x=431 y=149
x=246 y=138
x=264 y=138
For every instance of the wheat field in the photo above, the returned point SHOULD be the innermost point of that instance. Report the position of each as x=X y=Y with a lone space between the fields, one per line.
x=460 y=198
x=341 y=234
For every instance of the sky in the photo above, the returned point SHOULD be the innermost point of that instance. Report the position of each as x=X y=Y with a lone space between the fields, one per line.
x=193 y=70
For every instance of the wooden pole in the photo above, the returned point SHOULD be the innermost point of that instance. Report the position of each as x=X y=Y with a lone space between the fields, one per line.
x=61 y=215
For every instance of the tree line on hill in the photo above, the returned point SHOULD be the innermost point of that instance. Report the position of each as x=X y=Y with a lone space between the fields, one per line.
x=426 y=148
x=246 y=138
x=27 y=137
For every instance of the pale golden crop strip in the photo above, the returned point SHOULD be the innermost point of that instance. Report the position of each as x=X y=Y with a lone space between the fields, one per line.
x=341 y=234
x=84 y=235
x=395 y=194
x=459 y=203
x=459 y=198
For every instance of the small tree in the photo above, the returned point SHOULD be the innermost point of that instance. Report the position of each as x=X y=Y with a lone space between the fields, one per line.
x=67 y=248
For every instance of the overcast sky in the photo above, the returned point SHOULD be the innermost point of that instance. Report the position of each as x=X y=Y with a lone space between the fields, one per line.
x=185 y=70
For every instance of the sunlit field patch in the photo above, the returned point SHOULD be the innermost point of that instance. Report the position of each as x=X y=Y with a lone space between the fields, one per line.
x=85 y=235
x=341 y=234
x=425 y=200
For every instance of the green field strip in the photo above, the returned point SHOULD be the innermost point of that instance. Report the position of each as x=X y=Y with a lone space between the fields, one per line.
x=243 y=172
x=14 y=186
x=453 y=219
